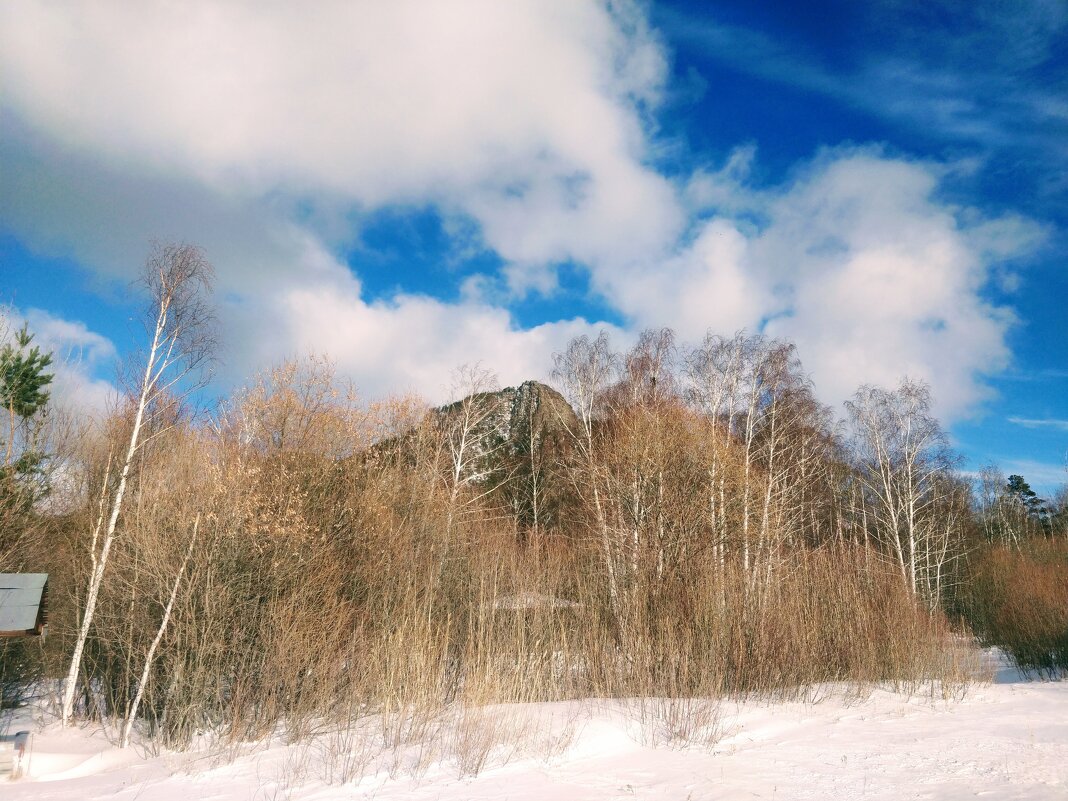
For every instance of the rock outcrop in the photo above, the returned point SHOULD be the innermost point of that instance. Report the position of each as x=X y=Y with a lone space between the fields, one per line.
x=513 y=417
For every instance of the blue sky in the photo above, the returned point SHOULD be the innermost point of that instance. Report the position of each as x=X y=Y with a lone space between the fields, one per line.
x=408 y=187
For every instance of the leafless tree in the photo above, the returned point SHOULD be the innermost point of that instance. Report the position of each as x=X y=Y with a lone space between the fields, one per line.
x=180 y=325
x=531 y=462
x=649 y=367
x=903 y=464
x=468 y=437
x=584 y=372
x=139 y=694
x=744 y=385
x=997 y=514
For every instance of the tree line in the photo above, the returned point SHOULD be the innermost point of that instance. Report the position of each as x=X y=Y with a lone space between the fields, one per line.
x=668 y=521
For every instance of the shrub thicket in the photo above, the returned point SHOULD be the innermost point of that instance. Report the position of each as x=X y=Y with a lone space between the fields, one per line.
x=341 y=564
x=1017 y=599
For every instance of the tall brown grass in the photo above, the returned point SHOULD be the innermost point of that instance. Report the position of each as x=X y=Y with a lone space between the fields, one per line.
x=1017 y=599
x=321 y=590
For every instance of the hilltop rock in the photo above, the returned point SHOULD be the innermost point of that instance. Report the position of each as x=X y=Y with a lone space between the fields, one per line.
x=511 y=416
x=517 y=439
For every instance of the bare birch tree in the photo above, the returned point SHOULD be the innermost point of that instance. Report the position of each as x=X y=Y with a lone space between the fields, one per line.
x=713 y=370
x=135 y=704
x=903 y=462
x=649 y=367
x=178 y=280
x=646 y=388
x=584 y=372
x=996 y=510
x=469 y=438
x=743 y=385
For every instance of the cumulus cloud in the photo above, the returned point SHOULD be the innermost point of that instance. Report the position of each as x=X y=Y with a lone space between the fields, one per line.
x=877 y=278
x=856 y=260
x=400 y=345
x=523 y=114
x=265 y=131
x=281 y=292
x=410 y=343
x=213 y=123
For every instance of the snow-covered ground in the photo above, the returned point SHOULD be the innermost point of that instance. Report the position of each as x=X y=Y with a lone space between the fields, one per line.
x=1004 y=740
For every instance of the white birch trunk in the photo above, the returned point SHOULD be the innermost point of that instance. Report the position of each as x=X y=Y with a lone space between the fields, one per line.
x=100 y=564
x=131 y=712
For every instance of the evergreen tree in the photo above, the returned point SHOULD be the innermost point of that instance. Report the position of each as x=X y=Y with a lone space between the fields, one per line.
x=22 y=376
x=1028 y=500
x=24 y=382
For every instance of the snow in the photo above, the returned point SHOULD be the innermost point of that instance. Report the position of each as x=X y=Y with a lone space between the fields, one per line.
x=1004 y=740
x=533 y=600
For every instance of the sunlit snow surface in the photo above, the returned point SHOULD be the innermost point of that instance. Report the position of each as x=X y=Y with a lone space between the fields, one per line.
x=1006 y=740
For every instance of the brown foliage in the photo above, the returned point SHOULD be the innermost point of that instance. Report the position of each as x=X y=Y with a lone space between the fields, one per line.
x=338 y=572
x=1017 y=600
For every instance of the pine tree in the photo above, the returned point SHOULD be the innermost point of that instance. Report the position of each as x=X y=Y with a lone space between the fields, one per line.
x=22 y=376
x=23 y=395
x=1033 y=506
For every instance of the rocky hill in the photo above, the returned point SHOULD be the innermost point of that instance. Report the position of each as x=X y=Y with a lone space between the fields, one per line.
x=513 y=417
x=514 y=442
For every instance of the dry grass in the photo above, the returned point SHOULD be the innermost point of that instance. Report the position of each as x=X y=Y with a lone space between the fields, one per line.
x=322 y=595
x=1017 y=600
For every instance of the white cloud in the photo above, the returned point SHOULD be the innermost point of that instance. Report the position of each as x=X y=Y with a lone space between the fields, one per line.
x=416 y=343
x=879 y=279
x=709 y=284
x=525 y=114
x=855 y=260
x=281 y=292
x=211 y=123
x=410 y=343
x=256 y=129
x=1026 y=422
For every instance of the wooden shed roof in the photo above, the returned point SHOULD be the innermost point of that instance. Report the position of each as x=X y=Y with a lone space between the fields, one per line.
x=22 y=603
